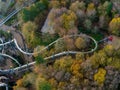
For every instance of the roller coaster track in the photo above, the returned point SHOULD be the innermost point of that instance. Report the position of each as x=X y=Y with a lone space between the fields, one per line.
x=9 y=16
x=29 y=65
x=50 y=57
x=4 y=85
x=4 y=20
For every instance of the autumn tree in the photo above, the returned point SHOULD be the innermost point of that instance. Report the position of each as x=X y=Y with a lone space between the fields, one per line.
x=75 y=68
x=104 y=21
x=68 y=20
x=99 y=77
x=88 y=24
x=80 y=43
x=54 y=4
x=66 y=24
x=104 y=11
x=28 y=30
x=39 y=50
x=80 y=56
x=64 y=63
x=26 y=82
x=69 y=43
x=60 y=45
x=79 y=9
x=114 y=26
x=53 y=82
x=91 y=12
x=42 y=84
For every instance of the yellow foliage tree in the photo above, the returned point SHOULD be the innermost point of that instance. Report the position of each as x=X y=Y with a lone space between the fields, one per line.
x=68 y=20
x=28 y=30
x=114 y=26
x=79 y=56
x=20 y=82
x=64 y=63
x=99 y=77
x=75 y=68
x=53 y=82
x=54 y=4
x=109 y=50
x=61 y=84
x=80 y=43
x=19 y=85
x=91 y=10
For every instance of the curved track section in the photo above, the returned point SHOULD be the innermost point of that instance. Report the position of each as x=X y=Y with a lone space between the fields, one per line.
x=29 y=65
x=27 y=53
x=5 y=55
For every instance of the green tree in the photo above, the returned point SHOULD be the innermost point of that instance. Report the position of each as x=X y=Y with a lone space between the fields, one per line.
x=39 y=59
x=46 y=3
x=29 y=13
x=105 y=8
x=44 y=86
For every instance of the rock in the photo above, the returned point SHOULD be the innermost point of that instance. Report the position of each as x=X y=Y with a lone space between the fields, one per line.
x=49 y=23
x=59 y=75
x=48 y=28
